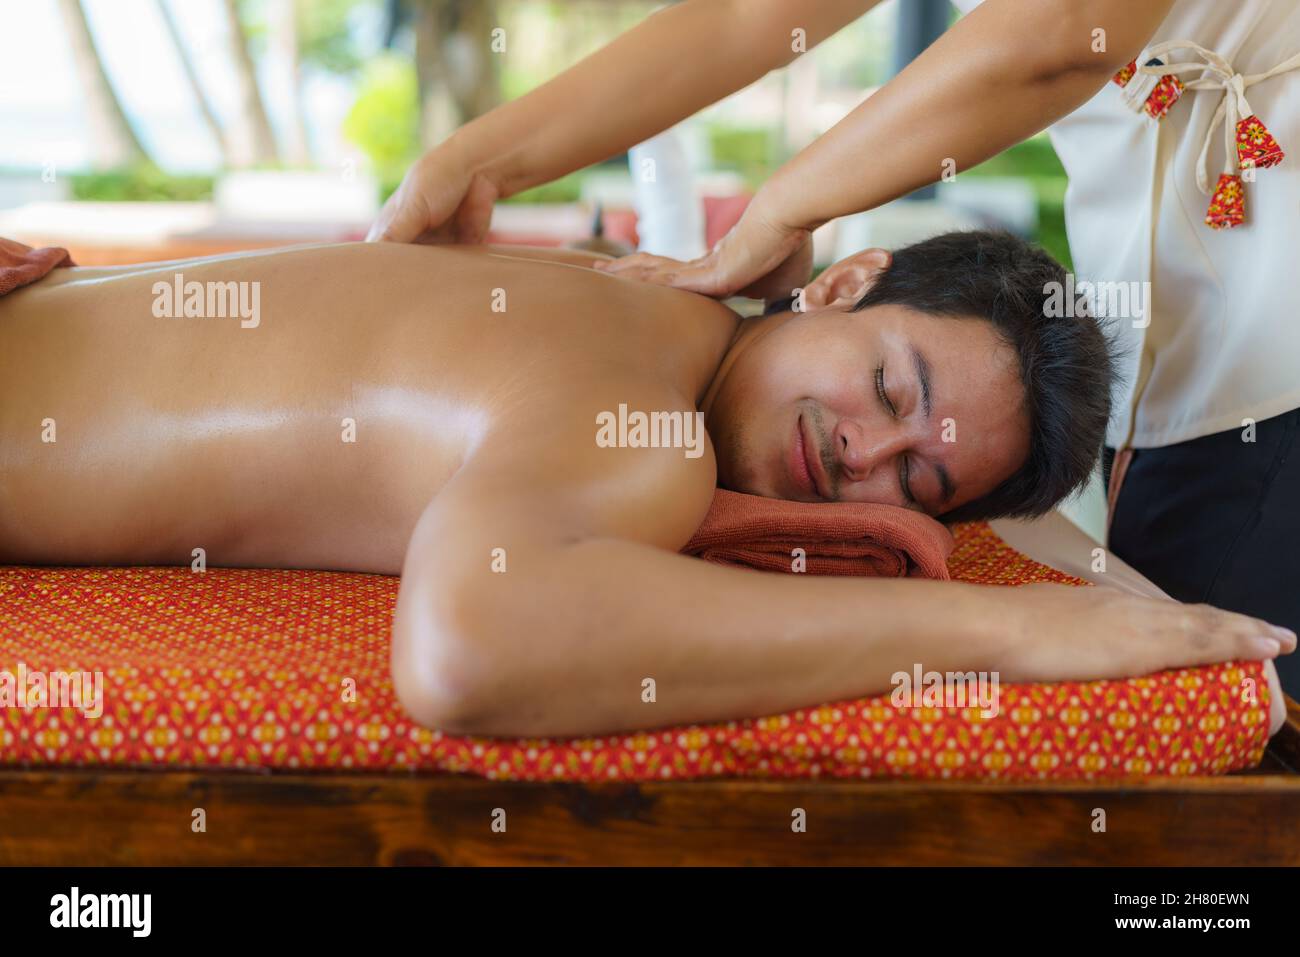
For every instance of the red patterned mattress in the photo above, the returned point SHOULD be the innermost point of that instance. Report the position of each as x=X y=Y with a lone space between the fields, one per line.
x=288 y=670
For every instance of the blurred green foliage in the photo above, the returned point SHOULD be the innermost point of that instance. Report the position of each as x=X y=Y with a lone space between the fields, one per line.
x=324 y=29
x=384 y=121
x=566 y=189
x=1036 y=162
x=144 y=183
x=325 y=38
x=749 y=151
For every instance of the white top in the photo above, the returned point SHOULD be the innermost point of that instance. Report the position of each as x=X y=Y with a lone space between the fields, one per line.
x=1223 y=341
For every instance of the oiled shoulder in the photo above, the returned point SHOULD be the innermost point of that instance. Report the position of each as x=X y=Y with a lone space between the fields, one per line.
x=610 y=455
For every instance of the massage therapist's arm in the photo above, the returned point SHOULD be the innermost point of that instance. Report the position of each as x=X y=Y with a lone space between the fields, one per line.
x=677 y=61
x=1002 y=73
x=592 y=600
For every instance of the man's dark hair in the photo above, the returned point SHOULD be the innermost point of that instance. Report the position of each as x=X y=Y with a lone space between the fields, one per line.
x=1067 y=364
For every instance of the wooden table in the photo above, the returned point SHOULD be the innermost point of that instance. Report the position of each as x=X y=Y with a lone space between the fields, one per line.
x=63 y=817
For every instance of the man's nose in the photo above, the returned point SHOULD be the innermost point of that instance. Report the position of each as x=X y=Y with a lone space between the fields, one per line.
x=860 y=450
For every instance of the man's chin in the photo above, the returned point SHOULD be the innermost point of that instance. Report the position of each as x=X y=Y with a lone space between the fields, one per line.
x=744 y=485
x=749 y=482
x=761 y=489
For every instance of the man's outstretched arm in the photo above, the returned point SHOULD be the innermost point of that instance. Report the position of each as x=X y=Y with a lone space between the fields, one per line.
x=589 y=600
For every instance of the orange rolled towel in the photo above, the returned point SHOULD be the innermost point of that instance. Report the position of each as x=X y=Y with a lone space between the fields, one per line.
x=836 y=538
x=20 y=265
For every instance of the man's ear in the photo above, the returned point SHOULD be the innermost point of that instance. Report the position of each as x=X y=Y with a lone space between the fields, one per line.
x=848 y=280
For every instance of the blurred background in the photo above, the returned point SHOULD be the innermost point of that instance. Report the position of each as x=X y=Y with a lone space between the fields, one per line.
x=152 y=129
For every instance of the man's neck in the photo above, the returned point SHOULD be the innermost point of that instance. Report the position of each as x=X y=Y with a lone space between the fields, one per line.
x=748 y=331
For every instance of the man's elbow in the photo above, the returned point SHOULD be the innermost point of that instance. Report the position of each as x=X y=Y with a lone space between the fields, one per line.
x=440 y=658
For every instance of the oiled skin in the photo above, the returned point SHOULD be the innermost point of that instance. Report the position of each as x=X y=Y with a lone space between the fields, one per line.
x=181 y=433
x=476 y=436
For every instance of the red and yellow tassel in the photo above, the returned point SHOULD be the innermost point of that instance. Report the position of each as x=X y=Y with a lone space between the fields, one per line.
x=1228 y=205
x=1255 y=144
x=1165 y=95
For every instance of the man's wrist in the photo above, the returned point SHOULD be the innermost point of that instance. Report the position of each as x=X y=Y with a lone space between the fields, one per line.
x=992 y=623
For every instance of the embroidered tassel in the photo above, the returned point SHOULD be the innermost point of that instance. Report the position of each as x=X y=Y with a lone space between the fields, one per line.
x=1255 y=144
x=1125 y=74
x=1228 y=205
x=1165 y=95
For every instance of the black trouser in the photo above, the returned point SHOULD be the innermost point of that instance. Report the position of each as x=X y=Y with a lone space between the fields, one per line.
x=1217 y=520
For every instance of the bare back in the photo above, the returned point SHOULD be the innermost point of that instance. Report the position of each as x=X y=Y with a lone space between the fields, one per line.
x=315 y=435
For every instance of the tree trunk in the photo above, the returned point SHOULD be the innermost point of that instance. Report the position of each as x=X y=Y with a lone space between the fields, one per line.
x=457 y=72
x=437 y=110
x=113 y=142
x=475 y=80
x=283 y=24
x=196 y=86
x=252 y=143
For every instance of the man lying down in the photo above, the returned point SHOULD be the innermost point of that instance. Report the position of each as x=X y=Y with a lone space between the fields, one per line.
x=430 y=410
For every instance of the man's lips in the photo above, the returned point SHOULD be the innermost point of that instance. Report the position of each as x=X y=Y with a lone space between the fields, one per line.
x=803 y=465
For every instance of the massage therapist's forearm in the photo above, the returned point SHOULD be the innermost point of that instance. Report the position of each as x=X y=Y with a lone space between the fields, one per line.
x=565 y=648
x=999 y=75
x=673 y=64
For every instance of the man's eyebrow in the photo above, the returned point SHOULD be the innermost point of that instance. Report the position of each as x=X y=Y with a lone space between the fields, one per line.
x=923 y=376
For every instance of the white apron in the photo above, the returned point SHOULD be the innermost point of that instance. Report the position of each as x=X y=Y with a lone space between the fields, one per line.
x=1223 y=340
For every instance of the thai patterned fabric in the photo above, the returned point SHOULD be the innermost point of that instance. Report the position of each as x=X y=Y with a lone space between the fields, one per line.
x=1255 y=144
x=1228 y=205
x=1165 y=95
x=288 y=670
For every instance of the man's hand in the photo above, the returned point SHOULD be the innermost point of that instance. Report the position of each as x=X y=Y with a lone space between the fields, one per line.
x=1084 y=634
x=758 y=258
x=441 y=200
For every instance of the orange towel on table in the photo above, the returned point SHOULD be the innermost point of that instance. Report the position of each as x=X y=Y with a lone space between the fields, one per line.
x=837 y=538
x=20 y=265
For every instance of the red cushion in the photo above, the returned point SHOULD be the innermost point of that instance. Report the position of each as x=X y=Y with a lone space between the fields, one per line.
x=289 y=670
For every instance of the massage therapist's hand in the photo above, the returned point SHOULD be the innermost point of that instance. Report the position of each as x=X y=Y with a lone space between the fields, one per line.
x=441 y=200
x=1085 y=634
x=759 y=258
